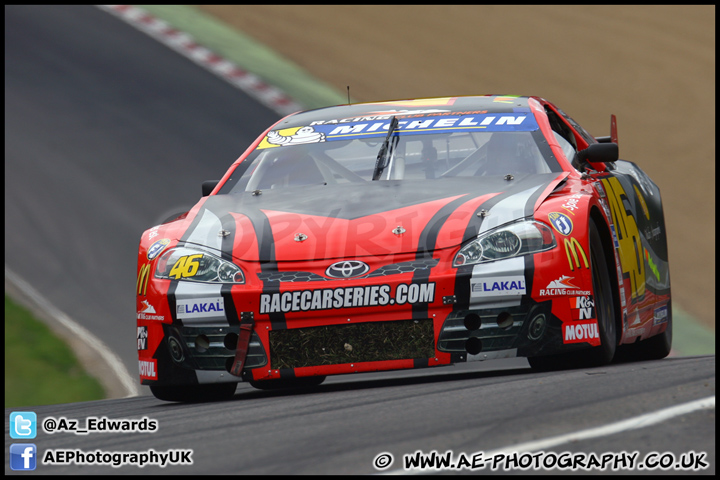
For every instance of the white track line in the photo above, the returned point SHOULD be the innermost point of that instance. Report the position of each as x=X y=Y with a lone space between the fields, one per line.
x=103 y=352
x=633 y=423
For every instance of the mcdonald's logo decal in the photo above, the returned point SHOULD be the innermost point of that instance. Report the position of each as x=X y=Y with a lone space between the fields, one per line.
x=572 y=246
x=143 y=278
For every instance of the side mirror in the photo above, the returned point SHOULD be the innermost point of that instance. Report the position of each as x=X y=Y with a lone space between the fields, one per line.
x=599 y=153
x=208 y=186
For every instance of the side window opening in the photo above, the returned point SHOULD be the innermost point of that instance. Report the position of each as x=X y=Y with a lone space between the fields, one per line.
x=564 y=135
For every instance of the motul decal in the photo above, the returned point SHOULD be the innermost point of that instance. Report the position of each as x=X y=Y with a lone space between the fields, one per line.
x=581 y=332
x=148 y=369
x=346 y=297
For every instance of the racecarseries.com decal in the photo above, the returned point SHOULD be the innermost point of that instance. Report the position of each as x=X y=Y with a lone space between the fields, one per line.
x=346 y=297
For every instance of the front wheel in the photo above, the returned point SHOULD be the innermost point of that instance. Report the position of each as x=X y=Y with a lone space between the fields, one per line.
x=604 y=312
x=604 y=305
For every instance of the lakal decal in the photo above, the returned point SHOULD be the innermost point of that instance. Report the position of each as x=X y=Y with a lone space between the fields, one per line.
x=514 y=285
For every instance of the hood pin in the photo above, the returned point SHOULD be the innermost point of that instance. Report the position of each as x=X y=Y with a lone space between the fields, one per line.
x=399 y=230
x=223 y=233
x=483 y=213
x=300 y=237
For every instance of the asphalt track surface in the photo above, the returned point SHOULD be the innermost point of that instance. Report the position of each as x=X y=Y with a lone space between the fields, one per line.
x=109 y=132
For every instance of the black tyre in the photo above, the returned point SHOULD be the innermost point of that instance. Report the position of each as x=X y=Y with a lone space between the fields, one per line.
x=280 y=383
x=194 y=393
x=604 y=305
x=604 y=312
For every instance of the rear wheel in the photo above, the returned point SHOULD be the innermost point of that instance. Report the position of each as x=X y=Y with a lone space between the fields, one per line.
x=604 y=312
x=280 y=383
x=194 y=393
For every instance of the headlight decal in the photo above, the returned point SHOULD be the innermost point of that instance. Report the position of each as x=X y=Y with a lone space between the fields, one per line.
x=197 y=265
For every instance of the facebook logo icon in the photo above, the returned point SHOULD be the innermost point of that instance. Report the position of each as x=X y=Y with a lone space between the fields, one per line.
x=23 y=425
x=23 y=456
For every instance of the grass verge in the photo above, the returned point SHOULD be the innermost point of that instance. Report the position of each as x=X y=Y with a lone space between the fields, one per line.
x=39 y=368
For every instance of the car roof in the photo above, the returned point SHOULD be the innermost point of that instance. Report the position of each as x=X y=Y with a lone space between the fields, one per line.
x=405 y=108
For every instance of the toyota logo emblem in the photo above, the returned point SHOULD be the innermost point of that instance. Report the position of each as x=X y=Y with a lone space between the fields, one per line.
x=347 y=269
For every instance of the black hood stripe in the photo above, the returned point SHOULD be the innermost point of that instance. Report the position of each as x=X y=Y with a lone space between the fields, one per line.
x=266 y=245
x=426 y=244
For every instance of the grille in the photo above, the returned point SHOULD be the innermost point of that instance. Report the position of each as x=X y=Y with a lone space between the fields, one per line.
x=404 y=267
x=362 y=342
x=396 y=268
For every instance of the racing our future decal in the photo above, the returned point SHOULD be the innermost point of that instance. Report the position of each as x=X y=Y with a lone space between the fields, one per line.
x=346 y=297
x=562 y=286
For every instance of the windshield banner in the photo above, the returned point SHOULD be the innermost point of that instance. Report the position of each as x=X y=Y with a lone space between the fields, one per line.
x=487 y=122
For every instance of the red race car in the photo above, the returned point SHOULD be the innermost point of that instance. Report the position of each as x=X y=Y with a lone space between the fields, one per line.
x=406 y=234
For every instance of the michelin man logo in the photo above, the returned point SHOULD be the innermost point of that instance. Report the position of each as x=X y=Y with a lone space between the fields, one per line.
x=303 y=135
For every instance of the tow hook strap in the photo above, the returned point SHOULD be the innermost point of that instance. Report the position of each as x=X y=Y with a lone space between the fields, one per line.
x=246 y=327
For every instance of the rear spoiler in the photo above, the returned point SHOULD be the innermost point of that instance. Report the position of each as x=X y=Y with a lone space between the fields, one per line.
x=613 y=138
